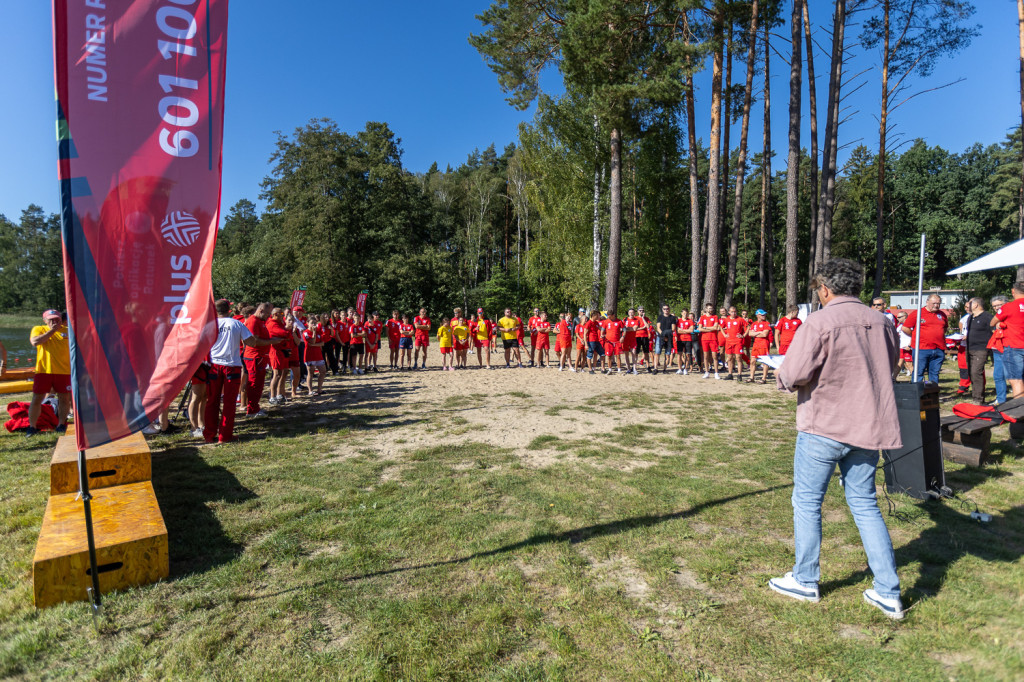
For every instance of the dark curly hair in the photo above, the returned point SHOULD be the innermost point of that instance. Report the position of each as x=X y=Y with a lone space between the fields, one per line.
x=842 y=275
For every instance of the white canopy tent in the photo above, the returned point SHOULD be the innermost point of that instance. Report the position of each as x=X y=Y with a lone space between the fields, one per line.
x=1009 y=256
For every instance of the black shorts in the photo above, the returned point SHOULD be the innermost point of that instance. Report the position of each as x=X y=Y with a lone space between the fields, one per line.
x=684 y=346
x=202 y=374
x=356 y=349
x=510 y=343
x=643 y=344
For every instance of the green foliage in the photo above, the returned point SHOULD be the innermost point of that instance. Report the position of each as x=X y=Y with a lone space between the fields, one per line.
x=31 y=266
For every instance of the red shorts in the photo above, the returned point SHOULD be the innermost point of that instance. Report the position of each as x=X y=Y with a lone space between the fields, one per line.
x=57 y=383
x=562 y=344
x=733 y=346
x=629 y=345
x=392 y=342
x=372 y=347
x=446 y=350
x=612 y=348
x=421 y=342
x=906 y=355
x=461 y=345
x=543 y=342
x=721 y=339
x=581 y=345
x=278 y=361
x=759 y=348
x=709 y=343
x=293 y=361
x=783 y=347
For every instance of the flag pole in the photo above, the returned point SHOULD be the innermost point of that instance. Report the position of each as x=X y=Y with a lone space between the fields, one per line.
x=83 y=492
x=920 y=307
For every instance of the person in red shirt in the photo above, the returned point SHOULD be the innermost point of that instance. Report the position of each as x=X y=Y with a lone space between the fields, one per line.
x=405 y=341
x=629 y=326
x=933 y=338
x=709 y=326
x=393 y=326
x=521 y=338
x=580 y=332
x=760 y=335
x=531 y=328
x=373 y=334
x=684 y=341
x=643 y=339
x=341 y=333
x=593 y=332
x=735 y=329
x=294 y=359
x=611 y=328
x=421 y=340
x=786 y=328
x=315 y=337
x=356 y=350
x=256 y=359
x=563 y=343
x=540 y=342
x=280 y=355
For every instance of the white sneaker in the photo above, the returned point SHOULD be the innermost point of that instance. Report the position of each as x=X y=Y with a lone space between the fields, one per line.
x=788 y=586
x=197 y=433
x=151 y=430
x=634 y=371
x=893 y=608
x=685 y=372
x=273 y=400
x=679 y=371
x=620 y=371
x=262 y=414
x=716 y=376
x=572 y=369
x=706 y=375
x=561 y=369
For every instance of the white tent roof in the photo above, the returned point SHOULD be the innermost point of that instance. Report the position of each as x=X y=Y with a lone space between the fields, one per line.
x=1011 y=255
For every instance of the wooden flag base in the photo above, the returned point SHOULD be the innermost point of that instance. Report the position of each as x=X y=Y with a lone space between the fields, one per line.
x=123 y=461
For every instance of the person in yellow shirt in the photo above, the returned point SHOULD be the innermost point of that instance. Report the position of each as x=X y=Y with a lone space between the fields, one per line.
x=509 y=326
x=460 y=330
x=53 y=370
x=444 y=342
x=483 y=340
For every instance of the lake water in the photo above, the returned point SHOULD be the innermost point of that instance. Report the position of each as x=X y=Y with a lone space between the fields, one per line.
x=19 y=351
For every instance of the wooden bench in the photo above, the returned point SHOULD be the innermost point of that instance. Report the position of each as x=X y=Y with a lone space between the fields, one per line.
x=968 y=441
x=131 y=544
x=123 y=461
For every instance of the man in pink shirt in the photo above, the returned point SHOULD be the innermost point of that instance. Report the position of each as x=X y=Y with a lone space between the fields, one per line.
x=840 y=365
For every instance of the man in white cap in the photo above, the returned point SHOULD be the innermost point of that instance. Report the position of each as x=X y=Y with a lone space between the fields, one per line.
x=53 y=370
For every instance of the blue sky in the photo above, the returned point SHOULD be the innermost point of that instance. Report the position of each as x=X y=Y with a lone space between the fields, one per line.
x=409 y=64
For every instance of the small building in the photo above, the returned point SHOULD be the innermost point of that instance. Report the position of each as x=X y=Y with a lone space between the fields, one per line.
x=951 y=299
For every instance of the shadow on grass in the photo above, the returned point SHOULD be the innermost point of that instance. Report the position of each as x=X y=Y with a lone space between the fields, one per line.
x=571 y=536
x=185 y=485
x=954 y=536
x=969 y=477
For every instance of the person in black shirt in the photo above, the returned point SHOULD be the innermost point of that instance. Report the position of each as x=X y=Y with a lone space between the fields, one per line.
x=667 y=323
x=979 y=332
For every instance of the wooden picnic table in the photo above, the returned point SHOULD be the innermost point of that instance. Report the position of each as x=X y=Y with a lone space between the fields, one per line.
x=968 y=441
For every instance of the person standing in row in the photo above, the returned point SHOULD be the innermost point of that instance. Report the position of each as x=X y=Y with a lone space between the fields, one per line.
x=979 y=332
x=405 y=342
x=422 y=338
x=995 y=344
x=666 y=329
x=542 y=340
x=445 y=345
x=257 y=360
x=841 y=366
x=932 y=342
x=735 y=329
x=563 y=343
x=760 y=333
x=393 y=325
x=709 y=326
x=509 y=327
x=461 y=334
x=225 y=373
x=1011 y=320
x=786 y=328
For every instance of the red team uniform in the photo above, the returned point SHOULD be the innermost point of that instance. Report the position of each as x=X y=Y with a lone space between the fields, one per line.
x=563 y=339
x=629 y=326
x=372 y=336
x=612 y=335
x=734 y=329
x=760 y=346
x=541 y=340
x=787 y=328
x=310 y=336
x=708 y=340
x=422 y=338
x=684 y=334
x=393 y=334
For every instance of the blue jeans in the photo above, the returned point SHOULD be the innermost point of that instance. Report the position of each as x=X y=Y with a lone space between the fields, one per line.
x=930 y=360
x=815 y=460
x=997 y=376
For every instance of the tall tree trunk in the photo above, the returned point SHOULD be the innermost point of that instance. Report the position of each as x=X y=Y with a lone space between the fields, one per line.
x=793 y=161
x=882 y=130
x=714 y=240
x=766 y=215
x=829 y=156
x=741 y=161
x=611 y=290
x=726 y=125
x=764 y=267
x=696 y=262
x=595 y=292
x=1020 y=213
x=813 y=103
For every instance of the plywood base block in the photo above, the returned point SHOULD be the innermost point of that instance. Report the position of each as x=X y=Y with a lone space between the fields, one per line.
x=131 y=544
x=124 y=461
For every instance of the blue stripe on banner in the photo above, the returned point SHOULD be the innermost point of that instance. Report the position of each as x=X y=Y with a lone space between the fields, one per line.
x=111 y=343
x=79 y=187
x=66 y=149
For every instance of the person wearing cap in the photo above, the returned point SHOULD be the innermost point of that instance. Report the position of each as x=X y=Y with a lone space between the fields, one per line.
x=509 y=327
x=840 y=365
x=760 y=333
x=53 y=370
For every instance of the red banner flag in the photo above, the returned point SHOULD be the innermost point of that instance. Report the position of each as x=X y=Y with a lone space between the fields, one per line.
x=298 y=296
x=140 y=109
x=361 y=303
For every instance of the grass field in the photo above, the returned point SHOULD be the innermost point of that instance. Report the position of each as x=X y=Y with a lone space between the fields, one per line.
x=520 y=525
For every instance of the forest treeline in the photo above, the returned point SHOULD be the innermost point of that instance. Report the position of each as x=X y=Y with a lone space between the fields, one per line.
x=608 y=198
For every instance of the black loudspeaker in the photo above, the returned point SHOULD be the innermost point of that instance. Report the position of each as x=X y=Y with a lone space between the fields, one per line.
x=916 y=468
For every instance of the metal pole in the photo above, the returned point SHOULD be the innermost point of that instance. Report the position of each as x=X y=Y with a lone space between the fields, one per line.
x=920 y=307
x=83 y=488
